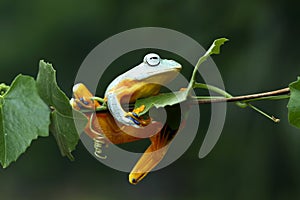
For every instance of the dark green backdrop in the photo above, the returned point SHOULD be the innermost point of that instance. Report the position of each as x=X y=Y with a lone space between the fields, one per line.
x=254 y=158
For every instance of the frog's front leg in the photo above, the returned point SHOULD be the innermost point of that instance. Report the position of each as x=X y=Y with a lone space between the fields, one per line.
x=126 y=118
x=115 y=108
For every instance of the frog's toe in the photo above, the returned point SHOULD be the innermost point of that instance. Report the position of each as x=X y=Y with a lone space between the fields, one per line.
x=133 y=117
x=137 y=120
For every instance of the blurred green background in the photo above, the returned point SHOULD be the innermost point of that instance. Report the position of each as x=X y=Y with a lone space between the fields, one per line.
x=254 y=158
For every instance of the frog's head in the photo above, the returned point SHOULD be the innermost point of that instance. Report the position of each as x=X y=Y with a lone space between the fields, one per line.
x=156 y=70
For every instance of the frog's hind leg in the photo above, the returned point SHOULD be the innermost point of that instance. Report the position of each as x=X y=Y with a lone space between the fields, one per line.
x=153 y=155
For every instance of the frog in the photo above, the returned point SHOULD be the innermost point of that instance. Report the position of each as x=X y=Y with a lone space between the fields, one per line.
x=103 y=129
x=141 y=81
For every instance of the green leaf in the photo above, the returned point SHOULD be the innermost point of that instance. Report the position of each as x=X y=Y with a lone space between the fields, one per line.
x=23 y=117
x=213 y=49
x=294 y=104
x=63 y=122
x=161 y=100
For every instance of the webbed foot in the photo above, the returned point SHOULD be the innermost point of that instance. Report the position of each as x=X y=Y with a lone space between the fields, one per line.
x=138 y=120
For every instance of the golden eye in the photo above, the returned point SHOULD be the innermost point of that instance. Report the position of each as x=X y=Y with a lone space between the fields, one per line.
x=152 y=59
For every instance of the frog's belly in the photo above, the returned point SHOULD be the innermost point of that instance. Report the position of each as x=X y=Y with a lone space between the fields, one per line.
x=139 y=90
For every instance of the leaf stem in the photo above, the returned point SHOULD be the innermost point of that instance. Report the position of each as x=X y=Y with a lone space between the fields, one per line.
x=218 y=91
x=3 y=89
x=243 y=101
x=272 y=95
x=274 y=119
x=99 y=99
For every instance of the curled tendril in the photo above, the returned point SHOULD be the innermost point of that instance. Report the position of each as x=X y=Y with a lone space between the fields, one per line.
x=99 y=140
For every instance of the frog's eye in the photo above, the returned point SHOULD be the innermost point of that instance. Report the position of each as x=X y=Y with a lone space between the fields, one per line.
x=152 y=59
